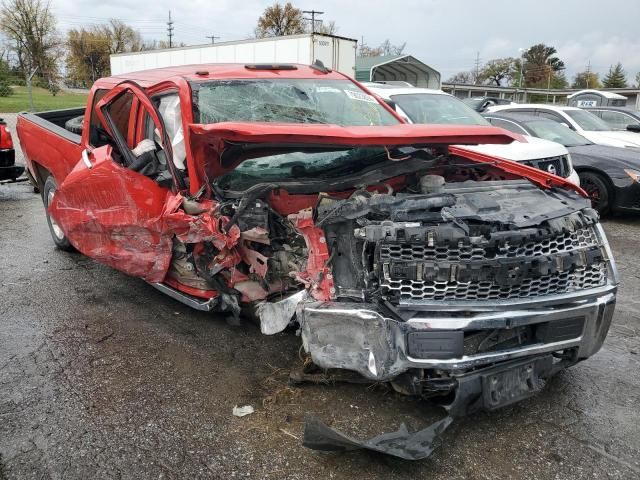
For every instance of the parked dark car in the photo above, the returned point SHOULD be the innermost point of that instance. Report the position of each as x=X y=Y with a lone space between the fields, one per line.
x=610 y=175
x=8 y=168
x=618 y=118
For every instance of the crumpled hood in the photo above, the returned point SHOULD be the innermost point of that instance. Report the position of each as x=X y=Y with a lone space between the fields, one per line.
x=211 y=141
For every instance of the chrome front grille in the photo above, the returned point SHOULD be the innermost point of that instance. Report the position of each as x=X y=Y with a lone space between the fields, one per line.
x=565 y=242
x=404 y=272
x=562 y=282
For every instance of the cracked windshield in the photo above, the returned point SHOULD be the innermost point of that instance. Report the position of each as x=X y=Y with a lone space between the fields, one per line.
x=338 y=102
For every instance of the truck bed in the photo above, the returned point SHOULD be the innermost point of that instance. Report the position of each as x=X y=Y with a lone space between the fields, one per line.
x=49 y=148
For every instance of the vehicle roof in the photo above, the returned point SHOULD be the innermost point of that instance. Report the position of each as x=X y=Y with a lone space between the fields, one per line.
x=555 y=108
x=618 y=109
x=515 y=116
x=599 y=92
x=385 y=90
x=215 y=71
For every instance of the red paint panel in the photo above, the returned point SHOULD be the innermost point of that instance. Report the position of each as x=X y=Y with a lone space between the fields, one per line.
x=113 y=215
x=208 y=141
x=317 y=277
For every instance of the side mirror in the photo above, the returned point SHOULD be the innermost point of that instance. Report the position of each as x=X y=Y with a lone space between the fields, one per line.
x=634 y=127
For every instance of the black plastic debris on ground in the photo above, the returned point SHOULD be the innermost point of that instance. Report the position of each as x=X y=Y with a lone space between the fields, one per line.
x=401 y=443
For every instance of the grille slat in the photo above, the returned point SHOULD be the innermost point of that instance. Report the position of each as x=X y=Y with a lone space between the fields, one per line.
x=564 y=242
x=578 y=278
x=583 y=278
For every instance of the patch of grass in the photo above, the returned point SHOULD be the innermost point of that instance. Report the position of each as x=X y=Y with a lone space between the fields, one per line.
x=42 y=100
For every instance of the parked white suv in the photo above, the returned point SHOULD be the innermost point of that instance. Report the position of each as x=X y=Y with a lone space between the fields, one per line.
x=423 y=105
x=581 y=121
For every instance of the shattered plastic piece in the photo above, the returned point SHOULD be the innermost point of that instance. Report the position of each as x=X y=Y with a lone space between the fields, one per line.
x=275 y=316
x=401 y=443
x=242 y=411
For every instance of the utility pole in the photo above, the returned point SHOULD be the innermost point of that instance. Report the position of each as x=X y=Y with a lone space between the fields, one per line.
x=588 y=73
x=170 y=30
x=521 y=50
x=313 y=18
x=477 y=69
x=213 y=38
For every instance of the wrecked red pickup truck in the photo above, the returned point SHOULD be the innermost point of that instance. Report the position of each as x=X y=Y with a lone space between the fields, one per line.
x=292 y=191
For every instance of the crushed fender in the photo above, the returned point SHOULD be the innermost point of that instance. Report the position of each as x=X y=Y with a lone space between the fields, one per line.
x=409 y=446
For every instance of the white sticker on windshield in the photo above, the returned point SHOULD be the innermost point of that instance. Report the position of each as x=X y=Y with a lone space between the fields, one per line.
x=327 y=89
x=363 y=97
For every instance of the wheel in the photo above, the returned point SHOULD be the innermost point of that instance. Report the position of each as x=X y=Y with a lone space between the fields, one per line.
x=598 y=190
x=74 y=125
x=57 y=234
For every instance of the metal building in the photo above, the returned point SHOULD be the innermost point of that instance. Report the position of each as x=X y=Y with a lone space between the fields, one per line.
x=397 y=68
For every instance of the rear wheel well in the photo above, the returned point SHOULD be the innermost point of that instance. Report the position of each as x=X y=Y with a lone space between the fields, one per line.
x=40 y=177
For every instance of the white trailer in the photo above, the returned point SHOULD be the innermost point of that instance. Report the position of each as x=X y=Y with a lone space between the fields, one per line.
x=337 y=53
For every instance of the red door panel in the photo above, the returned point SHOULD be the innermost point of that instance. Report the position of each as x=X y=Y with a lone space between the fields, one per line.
x=114 y=215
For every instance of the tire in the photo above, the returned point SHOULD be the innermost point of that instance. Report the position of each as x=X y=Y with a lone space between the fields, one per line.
x=598 y=190
x=74 y=125
x=58 y=236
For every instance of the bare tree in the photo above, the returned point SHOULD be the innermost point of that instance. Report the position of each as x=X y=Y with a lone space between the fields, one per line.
x=30 y=27
x=122 y=38
x=88 y=50
x=328 y=28
x=385 y=48
x=462 y=78
x=278 y=20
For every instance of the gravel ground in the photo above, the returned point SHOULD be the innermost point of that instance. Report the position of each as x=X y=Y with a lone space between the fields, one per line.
x=103 y=377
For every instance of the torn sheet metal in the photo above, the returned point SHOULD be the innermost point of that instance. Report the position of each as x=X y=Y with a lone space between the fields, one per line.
x=318 y=276
x=128 y=221
x=275 y=316
x=401 y=443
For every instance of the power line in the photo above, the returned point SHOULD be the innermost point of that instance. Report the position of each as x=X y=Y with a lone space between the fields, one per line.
x=170 y=30
x=313 y=18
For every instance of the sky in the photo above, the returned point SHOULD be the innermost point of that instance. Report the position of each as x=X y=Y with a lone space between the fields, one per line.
x=446 y=34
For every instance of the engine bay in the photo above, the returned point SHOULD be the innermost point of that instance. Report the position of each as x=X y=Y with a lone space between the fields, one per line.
x=453 y=230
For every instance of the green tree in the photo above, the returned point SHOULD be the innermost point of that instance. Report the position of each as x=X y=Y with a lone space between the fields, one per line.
x=278 y=20
x=586 y=79
x=30 y=28
x=497 y=70
x=616 y=78
x=5 y=79
x=539 y=61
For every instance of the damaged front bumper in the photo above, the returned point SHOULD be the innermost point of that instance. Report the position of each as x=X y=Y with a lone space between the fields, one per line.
x=364 y=339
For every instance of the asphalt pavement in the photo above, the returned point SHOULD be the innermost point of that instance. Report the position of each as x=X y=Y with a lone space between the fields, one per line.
x=101 y=376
